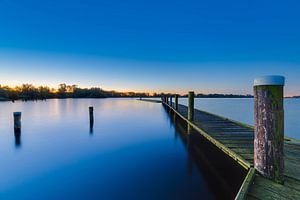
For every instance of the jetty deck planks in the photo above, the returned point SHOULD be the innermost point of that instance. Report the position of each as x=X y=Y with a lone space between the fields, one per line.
x=239 y=138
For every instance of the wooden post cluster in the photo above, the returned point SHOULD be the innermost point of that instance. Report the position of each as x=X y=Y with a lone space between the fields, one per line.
x=269 y=127
x=17 y=121
x=191 y=106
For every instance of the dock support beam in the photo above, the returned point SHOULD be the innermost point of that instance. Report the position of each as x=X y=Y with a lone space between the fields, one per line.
x=191 y=106
x=170 y=101
x=269 y=127
x=176 y=101
x=17 y=122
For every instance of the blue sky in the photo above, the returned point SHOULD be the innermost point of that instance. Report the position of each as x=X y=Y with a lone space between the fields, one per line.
x=206 y=46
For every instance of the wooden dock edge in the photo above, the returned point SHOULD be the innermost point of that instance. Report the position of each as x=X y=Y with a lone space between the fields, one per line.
x=222 y=147
x=248 y=181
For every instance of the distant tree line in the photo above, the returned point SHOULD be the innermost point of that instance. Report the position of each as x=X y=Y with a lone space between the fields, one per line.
x=29 y=92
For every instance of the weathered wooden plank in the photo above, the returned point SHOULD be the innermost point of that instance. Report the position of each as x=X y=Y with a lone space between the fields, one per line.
x=250 y=197
x=244 y=151
x=292 y=183
x=237 y=142
x=230 y=133
x=250 y=139
x=247 y=156
x=292 y=170
x=265 y=194
x=235 y=146
x=278 y=189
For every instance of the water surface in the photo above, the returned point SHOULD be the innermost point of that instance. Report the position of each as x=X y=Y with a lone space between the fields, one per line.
x=133 y=152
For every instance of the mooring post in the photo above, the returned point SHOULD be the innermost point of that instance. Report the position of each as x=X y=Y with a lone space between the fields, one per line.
x=191 y=106
x=176 y=101
x=269 y=127
x=91 y=111
x=17 y=122
x=171 y=103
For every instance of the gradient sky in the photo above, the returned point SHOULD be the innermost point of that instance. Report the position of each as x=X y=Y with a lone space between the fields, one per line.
x=156 y=45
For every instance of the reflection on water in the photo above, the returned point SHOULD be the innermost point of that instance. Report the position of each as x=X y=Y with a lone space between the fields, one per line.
x=91 y=127
x=17 y=138
x=137 y=152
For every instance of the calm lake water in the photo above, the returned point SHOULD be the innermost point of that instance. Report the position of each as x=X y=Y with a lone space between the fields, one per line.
x=135 y=151
x=243 y=110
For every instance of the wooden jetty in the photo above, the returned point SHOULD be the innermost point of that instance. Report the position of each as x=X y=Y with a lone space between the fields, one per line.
x=236 y=140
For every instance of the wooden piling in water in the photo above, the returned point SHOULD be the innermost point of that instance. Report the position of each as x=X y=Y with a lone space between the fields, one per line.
x=191 y=106
x=171 y=101
x=269 y=127
x=17 y=121
x=176 y=101
x=91 y=112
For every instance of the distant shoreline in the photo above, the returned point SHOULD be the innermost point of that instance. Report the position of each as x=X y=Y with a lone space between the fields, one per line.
x=28 y=92
x=144 y=97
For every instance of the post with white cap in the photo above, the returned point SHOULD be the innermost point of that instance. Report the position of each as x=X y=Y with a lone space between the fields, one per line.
x=269 y=127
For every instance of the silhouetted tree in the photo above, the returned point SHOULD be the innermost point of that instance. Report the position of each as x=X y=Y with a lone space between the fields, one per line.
x=62 y=89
